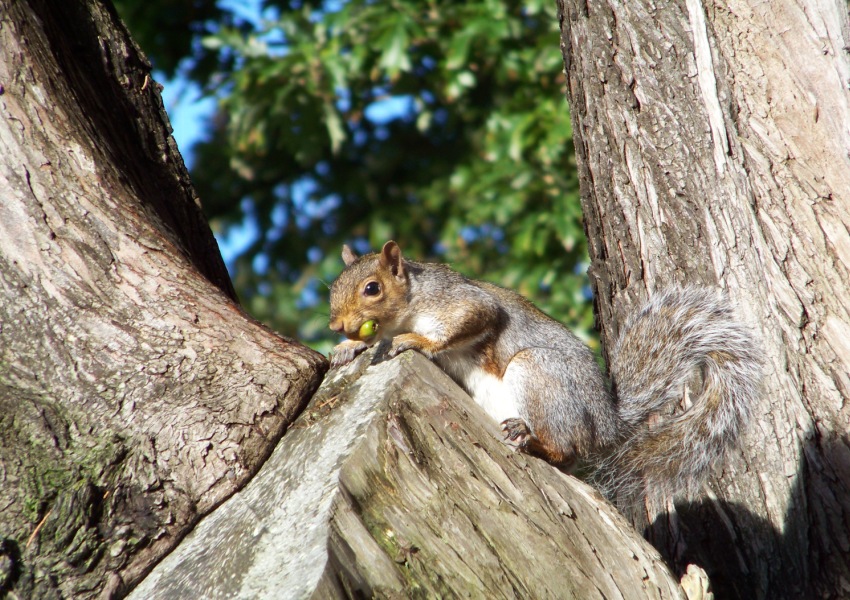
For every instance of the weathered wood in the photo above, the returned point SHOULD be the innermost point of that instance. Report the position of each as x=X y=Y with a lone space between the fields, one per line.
x=135 y=395
x=712 y=142
x=393 y=483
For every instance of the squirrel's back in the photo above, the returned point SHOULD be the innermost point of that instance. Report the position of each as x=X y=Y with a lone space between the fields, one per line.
x=435 y=287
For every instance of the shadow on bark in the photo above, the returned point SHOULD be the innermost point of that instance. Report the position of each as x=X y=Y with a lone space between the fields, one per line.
x=716 y=528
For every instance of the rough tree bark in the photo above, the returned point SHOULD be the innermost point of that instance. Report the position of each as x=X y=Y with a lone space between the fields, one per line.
x=713 y=144
x=394 y=484
x=135 y=395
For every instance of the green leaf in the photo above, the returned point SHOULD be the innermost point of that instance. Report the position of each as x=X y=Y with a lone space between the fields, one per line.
x=394 y=55
x=336 y=130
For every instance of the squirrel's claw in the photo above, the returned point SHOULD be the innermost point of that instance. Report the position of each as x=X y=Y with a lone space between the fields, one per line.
x=517 y=432
x=406 y=342
x=397 y=349
x=345 y=352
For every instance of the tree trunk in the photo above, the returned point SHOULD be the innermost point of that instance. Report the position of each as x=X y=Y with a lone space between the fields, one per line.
x=135 y=395
x=712 y=142
x=395 y=484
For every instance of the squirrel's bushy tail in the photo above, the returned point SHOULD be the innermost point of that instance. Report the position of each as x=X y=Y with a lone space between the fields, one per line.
x=686 y=375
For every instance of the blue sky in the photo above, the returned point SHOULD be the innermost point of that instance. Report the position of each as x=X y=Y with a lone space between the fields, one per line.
x=188 y=111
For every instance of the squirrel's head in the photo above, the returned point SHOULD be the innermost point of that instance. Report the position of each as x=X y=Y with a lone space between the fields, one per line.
x=372 y=288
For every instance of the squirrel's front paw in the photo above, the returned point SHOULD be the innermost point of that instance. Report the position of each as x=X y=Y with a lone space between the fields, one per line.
x=345 y=352
x=516 y=432
x=397 y=348
x=408 y=341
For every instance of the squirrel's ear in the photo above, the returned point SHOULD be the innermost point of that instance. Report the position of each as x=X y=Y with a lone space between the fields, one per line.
x=348 y=255
x=391 y=259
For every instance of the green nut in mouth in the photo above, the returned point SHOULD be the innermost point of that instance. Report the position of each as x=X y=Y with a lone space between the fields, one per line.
x=368 y=329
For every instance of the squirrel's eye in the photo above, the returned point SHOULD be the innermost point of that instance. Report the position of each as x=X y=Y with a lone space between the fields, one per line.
x=373 y=288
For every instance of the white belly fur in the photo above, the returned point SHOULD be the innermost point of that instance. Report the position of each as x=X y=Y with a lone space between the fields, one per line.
x=489 y=391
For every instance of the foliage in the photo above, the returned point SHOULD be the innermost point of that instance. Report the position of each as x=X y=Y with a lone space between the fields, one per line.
x=439 y=124
x=171 y=33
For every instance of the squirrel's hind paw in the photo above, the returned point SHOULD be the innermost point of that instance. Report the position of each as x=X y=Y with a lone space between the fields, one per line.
x=517 y=432
x=519 y=435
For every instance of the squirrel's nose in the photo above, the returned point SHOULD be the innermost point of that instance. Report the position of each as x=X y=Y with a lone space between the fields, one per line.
x=337 y=325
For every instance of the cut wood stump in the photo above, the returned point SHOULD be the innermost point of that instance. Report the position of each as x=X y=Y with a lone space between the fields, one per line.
x=394 y=484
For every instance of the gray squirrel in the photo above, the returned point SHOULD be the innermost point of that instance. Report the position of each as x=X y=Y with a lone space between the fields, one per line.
x=542 y=384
